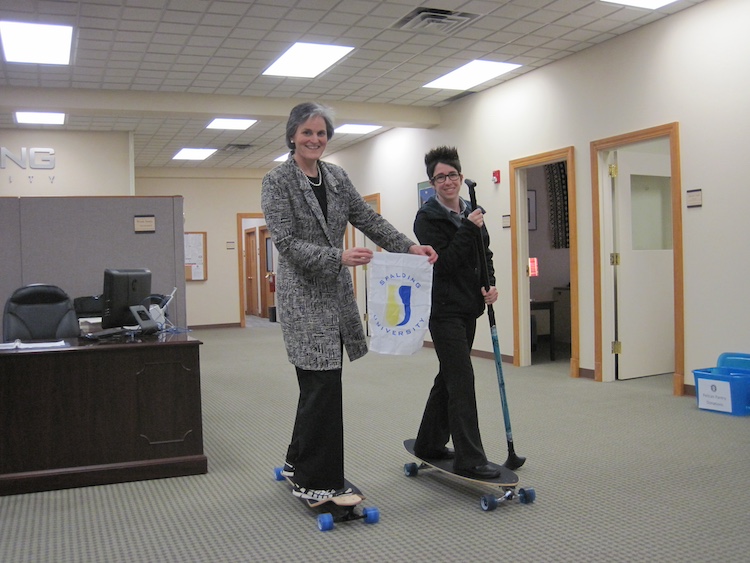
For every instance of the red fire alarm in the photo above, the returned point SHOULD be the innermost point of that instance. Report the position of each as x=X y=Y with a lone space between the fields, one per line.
x=495 y=176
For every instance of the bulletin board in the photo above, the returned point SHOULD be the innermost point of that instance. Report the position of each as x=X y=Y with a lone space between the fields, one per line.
x=196 y=260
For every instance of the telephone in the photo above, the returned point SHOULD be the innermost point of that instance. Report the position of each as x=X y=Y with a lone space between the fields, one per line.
x=147 y=324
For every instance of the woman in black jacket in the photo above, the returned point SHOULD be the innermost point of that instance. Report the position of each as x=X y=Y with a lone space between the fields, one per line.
x=458 y=235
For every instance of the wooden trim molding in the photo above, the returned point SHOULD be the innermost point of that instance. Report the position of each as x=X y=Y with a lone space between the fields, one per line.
x=568 y=156
x=241 y=263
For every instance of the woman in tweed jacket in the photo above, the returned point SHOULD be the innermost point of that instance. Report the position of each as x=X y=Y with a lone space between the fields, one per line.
x=307 y=204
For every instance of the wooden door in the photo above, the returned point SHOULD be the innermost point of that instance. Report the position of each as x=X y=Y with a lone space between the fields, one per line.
x=251 y=273
x=266 y=270
x=644 y=274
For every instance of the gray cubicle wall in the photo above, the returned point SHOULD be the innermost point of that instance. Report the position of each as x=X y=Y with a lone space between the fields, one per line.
x=70 y=241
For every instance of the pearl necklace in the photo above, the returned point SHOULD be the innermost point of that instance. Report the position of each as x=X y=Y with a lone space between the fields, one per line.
x=320 y=179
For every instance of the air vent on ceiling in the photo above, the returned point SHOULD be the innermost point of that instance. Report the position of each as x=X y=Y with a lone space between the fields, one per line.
x=432 y=20
x=236 y=147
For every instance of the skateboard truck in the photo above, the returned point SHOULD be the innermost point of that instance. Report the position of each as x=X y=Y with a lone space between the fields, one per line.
x=490 y=502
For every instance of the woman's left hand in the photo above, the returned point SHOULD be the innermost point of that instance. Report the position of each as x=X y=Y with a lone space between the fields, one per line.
x=477 y=217
x=358 y=256
x=424 y=250
x=490 y=295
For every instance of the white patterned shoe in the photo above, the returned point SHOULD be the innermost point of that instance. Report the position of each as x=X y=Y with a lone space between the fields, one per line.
x=313 y=494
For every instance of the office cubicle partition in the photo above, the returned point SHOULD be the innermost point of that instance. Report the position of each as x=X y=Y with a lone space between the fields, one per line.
x=70 y=241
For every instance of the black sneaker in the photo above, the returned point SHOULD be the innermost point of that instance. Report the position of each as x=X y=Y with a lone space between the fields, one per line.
x=484 y=471
x=444 y=453
x=288 y=469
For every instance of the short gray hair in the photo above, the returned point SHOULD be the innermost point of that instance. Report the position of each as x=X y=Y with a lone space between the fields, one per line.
x=301 y=113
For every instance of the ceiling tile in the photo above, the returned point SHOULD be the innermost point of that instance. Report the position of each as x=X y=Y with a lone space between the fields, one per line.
x=171 y=48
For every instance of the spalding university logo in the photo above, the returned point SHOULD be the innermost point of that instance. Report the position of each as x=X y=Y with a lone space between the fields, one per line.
x=399 y=302
x=397 y=318
x=398 y=305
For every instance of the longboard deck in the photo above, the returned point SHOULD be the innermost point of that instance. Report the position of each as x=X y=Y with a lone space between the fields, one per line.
x=507 y=478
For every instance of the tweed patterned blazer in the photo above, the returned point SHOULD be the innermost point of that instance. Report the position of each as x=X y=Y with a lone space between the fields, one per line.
x=315 y=299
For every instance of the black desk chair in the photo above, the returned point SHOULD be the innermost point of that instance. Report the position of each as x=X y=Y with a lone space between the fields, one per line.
x=39 y=312
x=88 y=306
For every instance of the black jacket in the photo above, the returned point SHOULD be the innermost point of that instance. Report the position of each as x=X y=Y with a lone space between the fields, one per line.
x=458 y=272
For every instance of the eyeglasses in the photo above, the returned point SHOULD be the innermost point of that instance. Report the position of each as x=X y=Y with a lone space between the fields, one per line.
x=441 y=178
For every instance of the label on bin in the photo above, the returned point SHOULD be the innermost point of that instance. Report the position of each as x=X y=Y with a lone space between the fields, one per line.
x=714 y=395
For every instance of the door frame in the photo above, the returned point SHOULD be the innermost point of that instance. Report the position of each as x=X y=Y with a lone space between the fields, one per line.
x=670 y=131
x=352 y=233
x=520 y=251
x=241 y=261
x=267 y=295
x=250 y=241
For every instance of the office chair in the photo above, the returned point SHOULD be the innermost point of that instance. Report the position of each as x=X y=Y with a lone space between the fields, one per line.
x=39 y=312
x=88 y=306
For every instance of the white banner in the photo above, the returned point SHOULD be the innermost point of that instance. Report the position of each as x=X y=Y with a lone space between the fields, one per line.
x=398 y=302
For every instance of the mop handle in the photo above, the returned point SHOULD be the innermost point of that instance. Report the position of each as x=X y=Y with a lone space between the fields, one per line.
x=514 y=461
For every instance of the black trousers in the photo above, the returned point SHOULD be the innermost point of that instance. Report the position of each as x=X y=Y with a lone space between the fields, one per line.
x=317 y=446
x=451 y=409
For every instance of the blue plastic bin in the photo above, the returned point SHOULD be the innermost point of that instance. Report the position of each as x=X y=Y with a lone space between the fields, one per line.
x=726 y=387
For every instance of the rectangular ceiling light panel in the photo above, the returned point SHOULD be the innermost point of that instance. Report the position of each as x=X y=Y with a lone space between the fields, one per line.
x=231 y=123
x=355 y=129
x=40 y=118
x=36 y=43
x=193 y=154
x=648 y=4
x=307 y=60
x=471 y=74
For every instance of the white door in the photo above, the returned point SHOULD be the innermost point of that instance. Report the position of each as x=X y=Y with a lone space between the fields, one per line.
x=644 y=278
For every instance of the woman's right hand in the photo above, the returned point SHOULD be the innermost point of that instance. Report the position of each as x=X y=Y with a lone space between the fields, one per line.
x=357 y=256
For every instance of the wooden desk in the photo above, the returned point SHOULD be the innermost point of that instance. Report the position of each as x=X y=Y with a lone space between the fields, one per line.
x=549 y=306
x=98 y=413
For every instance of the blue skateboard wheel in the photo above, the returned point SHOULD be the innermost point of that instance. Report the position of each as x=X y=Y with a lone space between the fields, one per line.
x=372 y=515
x=488 y=502
x=526 y=496
x=411 y=469
x=325 y=522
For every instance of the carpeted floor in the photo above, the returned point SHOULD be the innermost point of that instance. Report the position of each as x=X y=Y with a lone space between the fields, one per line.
x=622 y=471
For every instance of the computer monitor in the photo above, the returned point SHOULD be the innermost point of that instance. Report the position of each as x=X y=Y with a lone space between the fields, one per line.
x=122 y=289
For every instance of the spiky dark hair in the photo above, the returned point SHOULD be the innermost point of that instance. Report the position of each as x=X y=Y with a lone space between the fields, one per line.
x=446 y=155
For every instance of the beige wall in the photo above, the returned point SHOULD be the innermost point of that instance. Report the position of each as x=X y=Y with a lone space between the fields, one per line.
x=654 y=75
x=213 y=198
x=97 y=164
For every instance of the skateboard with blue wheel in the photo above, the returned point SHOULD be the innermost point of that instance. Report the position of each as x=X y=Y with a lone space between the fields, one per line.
x=342 y=508
x=506 y=482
